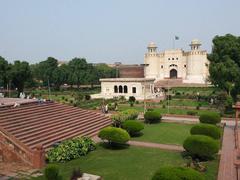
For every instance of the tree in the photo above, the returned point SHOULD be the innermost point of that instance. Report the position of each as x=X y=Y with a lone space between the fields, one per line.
x=4 y=72
x=20 y=73
x=104 y=71
x=60 y=76
x=45 y=69
x=225 y=64
x=78 y=73
x=91 y=75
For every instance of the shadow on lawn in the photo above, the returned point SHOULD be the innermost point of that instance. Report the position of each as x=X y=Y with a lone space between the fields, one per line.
x=137 y=134
x=114 y=146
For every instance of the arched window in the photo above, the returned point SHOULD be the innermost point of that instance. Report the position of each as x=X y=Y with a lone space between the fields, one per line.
x=115 y=89
x=134 y=90
x=125 y=89
x=120 y=89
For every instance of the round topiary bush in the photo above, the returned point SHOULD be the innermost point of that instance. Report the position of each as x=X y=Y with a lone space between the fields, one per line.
x=114 y=135
x=200 y=146
x=206 y=129
x=133 y=127
x=152 y=117
x=210 y=118
x=177 y=173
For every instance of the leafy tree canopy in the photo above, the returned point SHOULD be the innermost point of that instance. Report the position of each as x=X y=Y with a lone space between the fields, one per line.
x=225 y=63
x=20 y=73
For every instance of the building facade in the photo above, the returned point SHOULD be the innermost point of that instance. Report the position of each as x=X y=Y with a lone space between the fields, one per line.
x=140 y=88
x=191 y=66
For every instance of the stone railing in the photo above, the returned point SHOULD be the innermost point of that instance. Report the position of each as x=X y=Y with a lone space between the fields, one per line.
x=13 y=150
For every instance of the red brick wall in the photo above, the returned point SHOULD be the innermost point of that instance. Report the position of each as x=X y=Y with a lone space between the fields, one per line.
x=131 y=72
x=11 y=151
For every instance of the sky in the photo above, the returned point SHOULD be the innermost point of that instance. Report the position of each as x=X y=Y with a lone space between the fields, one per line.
x=108 y=31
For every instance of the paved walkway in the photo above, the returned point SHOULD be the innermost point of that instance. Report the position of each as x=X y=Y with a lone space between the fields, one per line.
x=169 y=147
x=157 y=145
x=227 y=170
x=192 y=120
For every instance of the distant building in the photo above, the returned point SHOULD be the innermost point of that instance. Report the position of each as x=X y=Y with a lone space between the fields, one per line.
x=162 y=69
x=140 y=88
x=191 y=66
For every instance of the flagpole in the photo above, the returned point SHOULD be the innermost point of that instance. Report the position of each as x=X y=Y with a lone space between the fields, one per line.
x=174 y=42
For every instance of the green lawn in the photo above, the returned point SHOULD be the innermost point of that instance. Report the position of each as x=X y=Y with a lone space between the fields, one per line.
x=139 y=108
x=165 y=133
x=186 y=102
x=128 y=164
x=194 y=90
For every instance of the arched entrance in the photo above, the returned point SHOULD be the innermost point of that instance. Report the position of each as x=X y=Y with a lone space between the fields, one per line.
x=173 y=74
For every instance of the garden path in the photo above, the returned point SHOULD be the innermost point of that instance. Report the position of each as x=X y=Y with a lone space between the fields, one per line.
x=227 y=169
x=169 y=147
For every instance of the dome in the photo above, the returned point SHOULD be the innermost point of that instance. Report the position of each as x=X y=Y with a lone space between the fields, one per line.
x=152 y=45
x=195 y=42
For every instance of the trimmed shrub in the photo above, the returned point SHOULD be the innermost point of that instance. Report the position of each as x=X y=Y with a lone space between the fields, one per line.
x=177 y=173
x=200 y=146
x=119 y=118
x=76 y=174
x=131 y=114
x=132 y=99
x=71 y=149
x=114 y=135
x=133 y=127
x=152 y=117
x=210 y=118
x=87 y=97
x=192 y=113
x=206 y=129
x=52 y=172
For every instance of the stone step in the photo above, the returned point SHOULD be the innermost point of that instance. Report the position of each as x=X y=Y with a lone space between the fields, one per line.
x=50 y=122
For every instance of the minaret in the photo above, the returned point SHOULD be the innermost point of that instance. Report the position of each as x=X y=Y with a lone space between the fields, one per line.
x=151 y=58
x=195 y=44
x=152 y=48
x=196 y=63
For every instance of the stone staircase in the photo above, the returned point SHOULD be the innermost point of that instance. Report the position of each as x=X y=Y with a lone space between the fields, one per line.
x=176 y=83
x=49 y=122
x=169 y=83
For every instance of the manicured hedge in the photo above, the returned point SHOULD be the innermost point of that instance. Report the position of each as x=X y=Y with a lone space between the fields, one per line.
x=71 y=149
x=206 y=129
x=152 y=117
x=201 y=146
x=177 y=173
x=114 y=135
x=210 y=118
x=133 y=127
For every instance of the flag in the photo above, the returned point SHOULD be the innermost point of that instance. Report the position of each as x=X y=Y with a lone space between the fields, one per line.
x=176 y=38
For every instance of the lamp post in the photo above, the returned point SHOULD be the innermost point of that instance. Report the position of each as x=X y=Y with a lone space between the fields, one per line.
x=168 y=96
x=49 y=90
x=117 y=64
x=144 y=100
